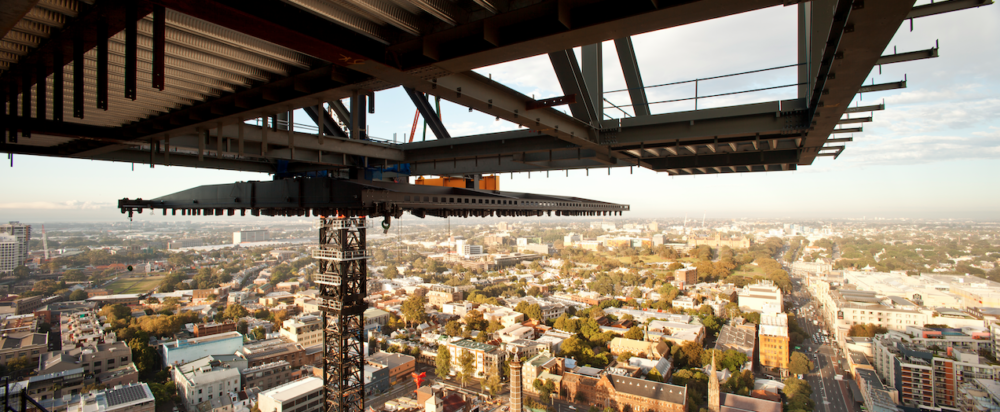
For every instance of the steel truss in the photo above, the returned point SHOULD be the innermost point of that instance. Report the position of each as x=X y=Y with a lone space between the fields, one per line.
x=342 y=280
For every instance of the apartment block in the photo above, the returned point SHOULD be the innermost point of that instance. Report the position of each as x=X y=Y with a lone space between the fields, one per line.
x=303 y=395
x=94 y=359
x=488 y=357
x=979 y=395
x=759 y=296
x=305 y=330
x=20 y=236
x=928 y=376
x=772 y=336
x=23 y=344
x=204 y=380
x=267 y=376
x=243 y=236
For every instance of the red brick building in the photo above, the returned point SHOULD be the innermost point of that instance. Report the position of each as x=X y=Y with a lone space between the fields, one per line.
x=623 y=393
x=209 y=329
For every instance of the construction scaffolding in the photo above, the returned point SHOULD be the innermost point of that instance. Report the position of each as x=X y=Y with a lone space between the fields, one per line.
x=343 y=285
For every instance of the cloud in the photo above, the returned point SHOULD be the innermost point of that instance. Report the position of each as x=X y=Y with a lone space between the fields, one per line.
x=474 y=128
x=940 y=116
x=67 y=205
x=924 y=149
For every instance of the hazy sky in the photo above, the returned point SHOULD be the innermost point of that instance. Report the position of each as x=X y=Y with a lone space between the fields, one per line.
x=933 y=153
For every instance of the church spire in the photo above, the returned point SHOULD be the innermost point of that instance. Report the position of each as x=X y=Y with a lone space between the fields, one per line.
x=713 y=388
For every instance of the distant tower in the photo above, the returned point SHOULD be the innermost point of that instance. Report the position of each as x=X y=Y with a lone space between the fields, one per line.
x=515 y=385
x=713 y=388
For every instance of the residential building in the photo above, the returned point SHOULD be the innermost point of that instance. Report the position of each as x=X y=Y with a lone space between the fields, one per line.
x=20 y=236
x=209 y=329
x=515 y=332
x=979 y=395
x=243 y=236
x=267 y=376
x=398 y=366
x=376 y=379
x=683 y=302
x=94 y=359
x=525 y=348
x=877 y=397
x=488 y=357
x=687 y=275
x=205 y=379
x=740 y=336
x=129 y=398
x=928 y=375
x=774 y=342
x=441 y=297
x=755 y=297
x=182 y=351
x=9 y=248
x=570 y=239
x=623 y=393
x=303 y=395
x=83 y=329
x=640 y=348
x=542 y=366
x=305 y=330
x=273 y=350
x=23 y=344
x=375 y=318
x=55 y=385
x=844 y=308
x=122 y=375
x=677 y=332
x=27 y=305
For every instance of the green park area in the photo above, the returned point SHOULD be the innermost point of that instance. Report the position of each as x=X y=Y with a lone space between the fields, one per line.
x=134 y=284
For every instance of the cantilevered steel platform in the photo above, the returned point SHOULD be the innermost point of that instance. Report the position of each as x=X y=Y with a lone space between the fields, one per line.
x=175 y=82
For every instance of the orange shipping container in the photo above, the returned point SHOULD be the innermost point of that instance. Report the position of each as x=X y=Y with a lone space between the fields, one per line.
x=485 y=183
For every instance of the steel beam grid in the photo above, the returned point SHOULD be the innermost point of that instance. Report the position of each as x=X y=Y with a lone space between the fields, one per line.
x=343 y=307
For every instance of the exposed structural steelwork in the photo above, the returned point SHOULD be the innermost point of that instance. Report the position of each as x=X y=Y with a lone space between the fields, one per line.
x=323 y=196
x=215 y=84
x=183 y=83
x=343 y=286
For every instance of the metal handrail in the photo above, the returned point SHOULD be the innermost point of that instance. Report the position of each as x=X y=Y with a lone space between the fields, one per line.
x=331 y=254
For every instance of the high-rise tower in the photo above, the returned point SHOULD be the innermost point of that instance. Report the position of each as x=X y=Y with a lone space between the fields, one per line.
x=21 y=234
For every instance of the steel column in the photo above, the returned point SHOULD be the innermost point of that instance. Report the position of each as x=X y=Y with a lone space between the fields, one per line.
x=572 y=82
x=805 y=47
x=430 y=116
x=593 y=75
x=633 y=79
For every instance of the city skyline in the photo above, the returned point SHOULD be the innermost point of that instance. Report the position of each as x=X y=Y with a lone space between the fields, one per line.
x=928 y=155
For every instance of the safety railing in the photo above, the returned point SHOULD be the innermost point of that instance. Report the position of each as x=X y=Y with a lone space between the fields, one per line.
x=697 y=83
x=341 y=255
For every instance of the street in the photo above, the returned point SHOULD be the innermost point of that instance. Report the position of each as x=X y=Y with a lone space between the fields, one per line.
x=828 y=393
